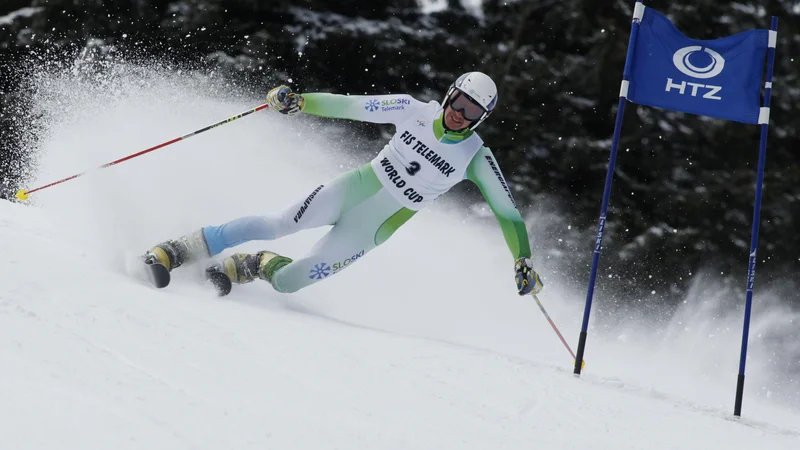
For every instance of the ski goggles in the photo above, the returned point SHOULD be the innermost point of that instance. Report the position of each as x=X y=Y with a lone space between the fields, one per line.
x=462 y=103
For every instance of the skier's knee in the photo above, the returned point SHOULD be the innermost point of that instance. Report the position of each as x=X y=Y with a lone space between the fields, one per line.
x=260 y=228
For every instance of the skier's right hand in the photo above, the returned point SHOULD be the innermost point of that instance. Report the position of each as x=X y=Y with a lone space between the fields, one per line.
x=283 y=100
x=528 y=281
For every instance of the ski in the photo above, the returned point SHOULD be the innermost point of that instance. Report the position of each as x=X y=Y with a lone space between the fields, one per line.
x=160 y=277
x=221 y=282
x=158 y=273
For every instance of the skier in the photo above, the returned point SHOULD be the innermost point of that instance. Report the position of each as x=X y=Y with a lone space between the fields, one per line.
x=434 y=148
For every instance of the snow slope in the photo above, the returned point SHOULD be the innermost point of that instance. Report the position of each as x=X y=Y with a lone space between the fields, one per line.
x=423 y=344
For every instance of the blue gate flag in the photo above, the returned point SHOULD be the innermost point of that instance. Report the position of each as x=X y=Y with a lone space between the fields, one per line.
x=718 y=78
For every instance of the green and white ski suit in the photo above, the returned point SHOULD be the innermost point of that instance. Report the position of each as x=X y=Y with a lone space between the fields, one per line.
x=367 y=205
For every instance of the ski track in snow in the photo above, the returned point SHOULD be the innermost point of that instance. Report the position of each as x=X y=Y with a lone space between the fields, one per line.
x=110 y=362
x=390 y=354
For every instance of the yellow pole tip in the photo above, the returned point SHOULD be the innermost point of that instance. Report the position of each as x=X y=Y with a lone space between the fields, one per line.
x=22 y=195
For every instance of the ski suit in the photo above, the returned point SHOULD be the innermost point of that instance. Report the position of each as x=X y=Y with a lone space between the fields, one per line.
x=367 y=205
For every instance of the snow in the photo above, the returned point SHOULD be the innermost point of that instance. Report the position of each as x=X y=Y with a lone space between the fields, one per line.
x=9 y=19
x=109 y=362
x=422 y=345
x=475 y=7
x=326 y=23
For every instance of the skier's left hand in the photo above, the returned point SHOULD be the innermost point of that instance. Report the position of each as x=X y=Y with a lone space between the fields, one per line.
x=528 y=281
x=283 y=100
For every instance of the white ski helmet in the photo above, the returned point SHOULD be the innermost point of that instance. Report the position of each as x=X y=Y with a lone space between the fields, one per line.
x=479 y=90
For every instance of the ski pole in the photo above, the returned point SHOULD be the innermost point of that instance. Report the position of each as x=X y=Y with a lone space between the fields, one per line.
x=583 y=363
x=22 y=194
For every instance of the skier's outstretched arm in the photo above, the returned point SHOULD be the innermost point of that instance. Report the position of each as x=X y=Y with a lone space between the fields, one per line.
x=485 y=173
x=392 y=109
x=366 y=108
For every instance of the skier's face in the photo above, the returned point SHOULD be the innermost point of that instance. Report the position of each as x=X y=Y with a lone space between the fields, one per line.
x=454 y=120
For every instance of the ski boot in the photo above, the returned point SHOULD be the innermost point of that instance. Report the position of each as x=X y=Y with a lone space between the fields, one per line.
x=241 y=268
x=169 y=255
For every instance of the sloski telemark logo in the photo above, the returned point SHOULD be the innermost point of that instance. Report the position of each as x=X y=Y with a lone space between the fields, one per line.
x=707 y=64
x=392 y=104
x=319 y=271
x=395 y=104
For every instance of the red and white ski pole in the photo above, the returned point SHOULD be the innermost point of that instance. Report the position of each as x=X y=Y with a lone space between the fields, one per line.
x=552 y=324
x=23 y=194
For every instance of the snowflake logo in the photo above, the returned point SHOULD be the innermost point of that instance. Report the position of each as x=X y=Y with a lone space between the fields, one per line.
x=319 y=271
x=372 y=105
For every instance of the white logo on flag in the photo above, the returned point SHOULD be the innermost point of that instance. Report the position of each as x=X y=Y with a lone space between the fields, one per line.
x=681 y=61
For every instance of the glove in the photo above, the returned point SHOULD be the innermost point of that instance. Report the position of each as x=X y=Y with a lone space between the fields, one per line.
x=283 y=100
x=528 y=281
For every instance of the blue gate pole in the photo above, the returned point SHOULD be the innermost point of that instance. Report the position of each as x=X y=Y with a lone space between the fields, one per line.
x=638 y=12
x=763 y=120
